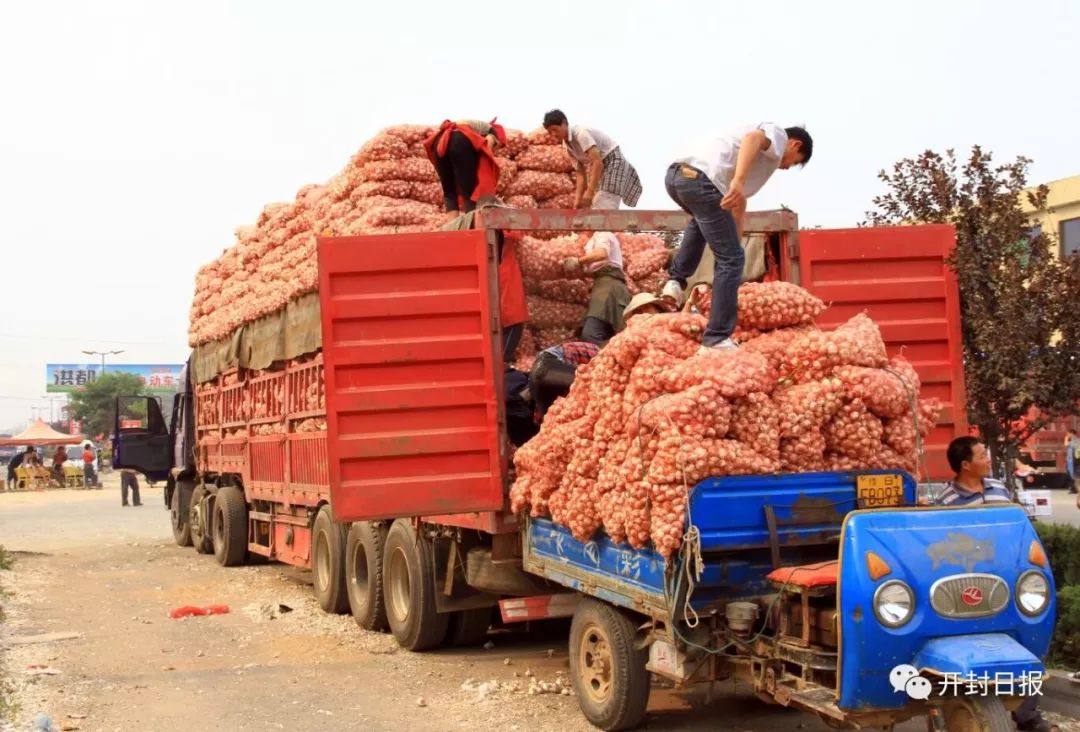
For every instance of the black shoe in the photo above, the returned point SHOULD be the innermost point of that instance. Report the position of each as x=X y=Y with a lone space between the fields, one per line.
x=124 y=505
x=136 y=504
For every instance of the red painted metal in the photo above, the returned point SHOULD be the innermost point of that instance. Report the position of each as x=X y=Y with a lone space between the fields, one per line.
x=409 y=342
x=898 y=276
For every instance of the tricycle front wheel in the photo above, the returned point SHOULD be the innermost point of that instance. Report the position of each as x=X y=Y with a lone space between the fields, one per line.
x=976 y=714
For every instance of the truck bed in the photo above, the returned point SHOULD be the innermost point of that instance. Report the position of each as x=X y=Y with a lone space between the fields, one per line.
x=731 y=515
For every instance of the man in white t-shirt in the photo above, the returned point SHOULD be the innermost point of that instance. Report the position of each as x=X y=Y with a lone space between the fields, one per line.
x=603 y=176
x=712 y=184
x=609 y=296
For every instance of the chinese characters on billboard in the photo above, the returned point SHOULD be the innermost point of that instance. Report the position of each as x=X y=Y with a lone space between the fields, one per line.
x=158 y=378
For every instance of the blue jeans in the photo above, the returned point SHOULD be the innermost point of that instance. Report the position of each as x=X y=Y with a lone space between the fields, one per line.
x=713 y=225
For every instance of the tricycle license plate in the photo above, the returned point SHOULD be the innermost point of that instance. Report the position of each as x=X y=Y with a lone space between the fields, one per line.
x=875 y=491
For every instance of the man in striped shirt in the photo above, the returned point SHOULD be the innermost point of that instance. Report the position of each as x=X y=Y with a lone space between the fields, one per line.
x=970 y=460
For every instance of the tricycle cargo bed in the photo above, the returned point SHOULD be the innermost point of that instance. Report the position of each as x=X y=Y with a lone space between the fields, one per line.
x=748 y=526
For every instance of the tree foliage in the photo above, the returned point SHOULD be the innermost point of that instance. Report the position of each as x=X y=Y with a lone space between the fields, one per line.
x=1017 y=298
x=95 y=404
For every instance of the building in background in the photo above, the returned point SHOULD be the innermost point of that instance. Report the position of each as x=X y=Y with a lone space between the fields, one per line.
x=1061 y=217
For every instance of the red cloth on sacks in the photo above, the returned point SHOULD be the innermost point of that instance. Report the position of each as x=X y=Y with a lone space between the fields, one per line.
x=512 y=305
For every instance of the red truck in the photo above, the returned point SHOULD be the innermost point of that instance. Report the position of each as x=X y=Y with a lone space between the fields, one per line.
x=379 y=458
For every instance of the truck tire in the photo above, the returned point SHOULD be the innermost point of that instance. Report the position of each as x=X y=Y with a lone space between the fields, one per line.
x=197 y=520
x=409 y=577
x=364 y=574
x=977 y=714
x=179 y=517
x=328 y=563
x=468 y=627
x=607 y=672
x=230 y=524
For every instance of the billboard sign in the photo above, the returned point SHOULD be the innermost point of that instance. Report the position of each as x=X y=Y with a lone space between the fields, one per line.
x=158 y=378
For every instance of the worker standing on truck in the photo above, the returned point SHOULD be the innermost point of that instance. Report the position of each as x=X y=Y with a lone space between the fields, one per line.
x=463 y=154
x=712 y=184
x=602 y=260
x=970 y=461
x=603 y=177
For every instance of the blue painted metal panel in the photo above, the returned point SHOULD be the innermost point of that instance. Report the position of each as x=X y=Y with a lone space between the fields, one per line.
x=986 y=653
x=730 y=512
x=637 y=575
x=921 y=546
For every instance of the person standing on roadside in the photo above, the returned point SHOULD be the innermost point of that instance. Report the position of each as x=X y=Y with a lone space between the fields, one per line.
x=89 y=474
x=712 y=184
x=60 y=457
x=1072 y=445
x=129 y=479
x=16 y=462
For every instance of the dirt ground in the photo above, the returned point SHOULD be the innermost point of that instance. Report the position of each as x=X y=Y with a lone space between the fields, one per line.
x=110 y=575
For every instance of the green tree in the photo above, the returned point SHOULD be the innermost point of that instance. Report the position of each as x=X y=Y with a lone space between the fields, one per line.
x=1017 y=298
x=95 y=404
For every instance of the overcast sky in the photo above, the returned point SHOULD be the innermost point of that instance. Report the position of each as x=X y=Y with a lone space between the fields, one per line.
x=136 y=136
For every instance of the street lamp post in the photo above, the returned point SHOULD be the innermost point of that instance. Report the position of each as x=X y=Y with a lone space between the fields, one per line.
x=103 y=354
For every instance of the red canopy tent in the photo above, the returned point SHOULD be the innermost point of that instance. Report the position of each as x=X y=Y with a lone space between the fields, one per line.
x=39 y=434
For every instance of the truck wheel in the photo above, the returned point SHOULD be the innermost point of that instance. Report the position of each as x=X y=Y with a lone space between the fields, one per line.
x=179 y=517
x=468 y=627
x=607 y=672
x=364 y=574
x=409 y=574
x=230 y=525
x=198 y=520
x=977 y=714
x=328 y=563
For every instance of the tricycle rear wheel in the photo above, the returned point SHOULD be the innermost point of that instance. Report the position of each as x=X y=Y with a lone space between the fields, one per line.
x=977 y=714
x=608 y=673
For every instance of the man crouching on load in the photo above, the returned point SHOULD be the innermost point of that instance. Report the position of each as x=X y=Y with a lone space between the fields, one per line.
x=463 y=154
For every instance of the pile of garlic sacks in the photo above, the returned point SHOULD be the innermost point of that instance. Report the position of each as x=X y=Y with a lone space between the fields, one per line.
x=650 y=416
x=389 y=186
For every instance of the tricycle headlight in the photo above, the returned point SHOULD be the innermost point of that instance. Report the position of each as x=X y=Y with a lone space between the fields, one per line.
x=894 y=603
x=1032 y=592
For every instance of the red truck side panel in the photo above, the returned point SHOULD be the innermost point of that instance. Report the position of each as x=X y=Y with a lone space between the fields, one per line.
x=898 y=276
x=410 y=354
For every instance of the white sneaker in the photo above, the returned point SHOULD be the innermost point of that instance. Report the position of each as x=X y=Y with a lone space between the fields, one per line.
x=725 y=345
x=674 y=291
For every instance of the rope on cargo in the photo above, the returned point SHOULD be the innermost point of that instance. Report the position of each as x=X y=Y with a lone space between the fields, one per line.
x=920 y=454
x=691 y=563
